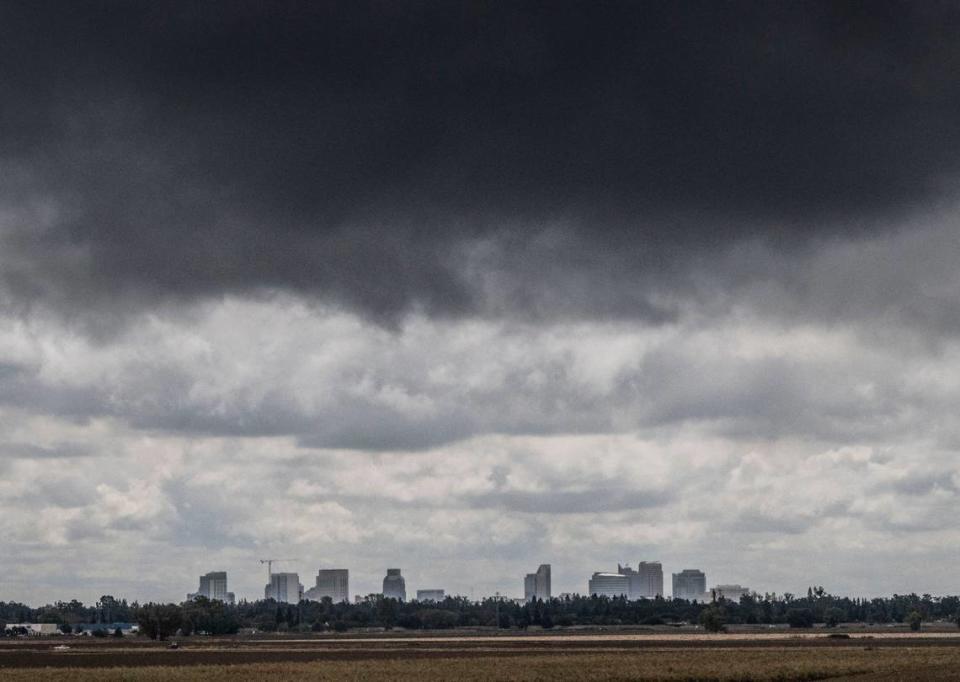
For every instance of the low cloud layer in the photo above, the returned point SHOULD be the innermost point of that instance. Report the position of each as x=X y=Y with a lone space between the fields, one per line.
x=466 y=451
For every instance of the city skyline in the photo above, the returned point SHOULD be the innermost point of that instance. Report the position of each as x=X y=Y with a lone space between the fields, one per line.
x=470 y=288
x=645 y=582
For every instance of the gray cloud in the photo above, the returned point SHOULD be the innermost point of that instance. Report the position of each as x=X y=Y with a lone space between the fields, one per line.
x=170 y=152
x=588 y=501
x=33 y=451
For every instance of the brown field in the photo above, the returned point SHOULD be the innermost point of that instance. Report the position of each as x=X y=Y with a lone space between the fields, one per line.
x=737 y=656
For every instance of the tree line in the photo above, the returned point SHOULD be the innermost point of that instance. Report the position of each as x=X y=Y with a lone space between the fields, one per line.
x=203 y=616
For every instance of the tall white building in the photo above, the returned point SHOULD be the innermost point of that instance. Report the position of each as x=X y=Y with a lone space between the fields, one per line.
x=609 y=585
x=651 y=579
x=394 y=586
x=689 y=584
x=537 y=585
x=213 y=586
x=284 y=587
x=646 y=582
x=331 y=582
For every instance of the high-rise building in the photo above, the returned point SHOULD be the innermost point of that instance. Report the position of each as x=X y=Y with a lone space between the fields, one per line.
x=284 y=587
x=331 y=582
x=213 y=586
x=394 y=586
x=537 y=585
x=651 y=579
x=646 y=582
x=430 y=595
x=689 y=584
x=609 y=585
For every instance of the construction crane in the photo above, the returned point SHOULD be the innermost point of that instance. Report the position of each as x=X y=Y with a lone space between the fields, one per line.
x=269 y=563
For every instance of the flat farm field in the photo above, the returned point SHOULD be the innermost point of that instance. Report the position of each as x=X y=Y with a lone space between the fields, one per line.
x=779 y=656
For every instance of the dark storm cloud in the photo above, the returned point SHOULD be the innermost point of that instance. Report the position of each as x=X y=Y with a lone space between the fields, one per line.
x=162 y=151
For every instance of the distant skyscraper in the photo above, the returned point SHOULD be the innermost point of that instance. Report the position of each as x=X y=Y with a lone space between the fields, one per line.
x=284 y=587
x=529 y=586
x=213 y=586
x=646 y=582
x=609 y=585
x=331 y=582
x=394 y=586
x=651 y=578
x=537 y=585
x=689 y=584
x=430 y=595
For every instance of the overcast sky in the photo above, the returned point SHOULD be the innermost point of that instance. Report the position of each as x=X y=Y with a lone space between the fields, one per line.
x=468 y=287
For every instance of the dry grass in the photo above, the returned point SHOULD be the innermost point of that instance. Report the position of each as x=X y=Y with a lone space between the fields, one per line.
x=721 y=664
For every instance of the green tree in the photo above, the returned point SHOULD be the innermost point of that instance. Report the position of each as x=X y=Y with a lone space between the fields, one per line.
x=712 y=619
x=387 y=609
x=159 y=621
x=800 y=618
x=833 y=617
x=914 y=620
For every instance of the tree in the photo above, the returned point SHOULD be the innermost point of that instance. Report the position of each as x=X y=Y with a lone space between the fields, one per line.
x=914 y=619
x=387 y=609
x=437 y=619
x=833 y=617
x=800 y=618
x=107 y=609
x=712 y=619
x=159 y=621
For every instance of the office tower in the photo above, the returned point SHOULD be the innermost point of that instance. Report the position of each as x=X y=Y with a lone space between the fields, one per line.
x=331 y=582
x=609 y=585
x=394 y=586
x=651 y=579
x=430 y=595
x=537 y=585
x=284 y=587
x=689 y=584
x=646 y=582
x=529 y=587
x=213 y=586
